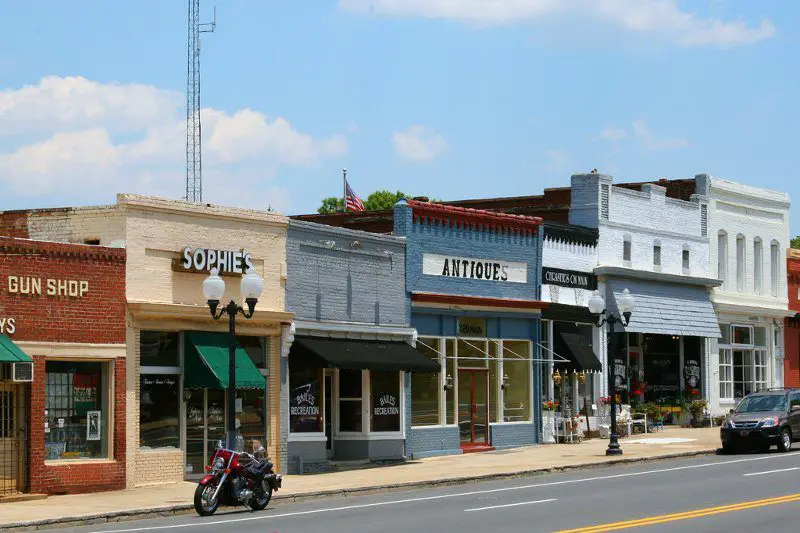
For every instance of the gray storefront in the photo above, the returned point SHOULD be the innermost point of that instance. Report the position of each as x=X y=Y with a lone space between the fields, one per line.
x=346 y=382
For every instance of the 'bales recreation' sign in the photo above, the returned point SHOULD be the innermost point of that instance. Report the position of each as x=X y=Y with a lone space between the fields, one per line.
x=478 y=269
x=569 y=278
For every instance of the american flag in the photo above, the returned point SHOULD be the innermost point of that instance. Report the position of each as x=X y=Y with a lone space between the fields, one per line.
x=352 y=202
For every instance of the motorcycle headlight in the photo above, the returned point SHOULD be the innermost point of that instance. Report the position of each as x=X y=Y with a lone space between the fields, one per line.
x=769 y=422
x=219 y=463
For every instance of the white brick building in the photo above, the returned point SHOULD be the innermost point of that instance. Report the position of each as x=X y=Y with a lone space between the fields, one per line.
x=749 y=232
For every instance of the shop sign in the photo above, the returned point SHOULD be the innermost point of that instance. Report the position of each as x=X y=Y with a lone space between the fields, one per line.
x=691 y=373
x=8 y=325
x=73 y=288
x=304 y=403
x=387 y=405
x=569 y=278
x=477 y=269
x=225 y=261
x=471 y=327
x=620 y=374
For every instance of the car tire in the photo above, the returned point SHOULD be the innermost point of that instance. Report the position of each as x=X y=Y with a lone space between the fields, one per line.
x=785 y=442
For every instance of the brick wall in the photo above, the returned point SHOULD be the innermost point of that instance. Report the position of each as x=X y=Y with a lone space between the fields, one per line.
x=791 y=333
x=68 y=225
x=97 y=316
x=67 y=477
x=331 y=278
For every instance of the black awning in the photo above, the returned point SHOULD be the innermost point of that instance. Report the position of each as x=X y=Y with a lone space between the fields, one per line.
x=581 y=355
x=350 y=354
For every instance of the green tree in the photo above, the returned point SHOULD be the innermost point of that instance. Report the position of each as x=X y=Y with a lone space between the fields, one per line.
x=796 y=243
x=376 y=201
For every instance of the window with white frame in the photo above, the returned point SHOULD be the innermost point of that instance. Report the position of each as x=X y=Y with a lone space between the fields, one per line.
x=657 y=255
x=350 y=401
x=426 y=388
x=758 y=265
x=740 y=263
x=160 y=389
x=775 y=267
x=626 y=250
x=685 y=260
x=722 y=256
x=743 y=361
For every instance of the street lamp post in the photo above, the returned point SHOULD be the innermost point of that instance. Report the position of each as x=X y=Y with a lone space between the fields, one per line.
x=214 y=289
x=597 y=306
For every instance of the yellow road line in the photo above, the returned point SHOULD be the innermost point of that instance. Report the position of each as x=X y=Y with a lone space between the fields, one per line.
x=698 y=513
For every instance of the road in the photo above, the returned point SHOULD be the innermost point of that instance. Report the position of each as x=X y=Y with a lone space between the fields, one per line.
x=740 y=493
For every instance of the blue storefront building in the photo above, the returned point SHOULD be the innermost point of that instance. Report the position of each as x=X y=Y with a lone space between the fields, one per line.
x=473 y=295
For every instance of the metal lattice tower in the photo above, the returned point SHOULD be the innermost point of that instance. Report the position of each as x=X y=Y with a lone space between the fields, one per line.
x=194 y=159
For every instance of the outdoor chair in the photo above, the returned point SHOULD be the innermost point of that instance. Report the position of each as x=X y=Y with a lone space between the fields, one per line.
x=639 y=419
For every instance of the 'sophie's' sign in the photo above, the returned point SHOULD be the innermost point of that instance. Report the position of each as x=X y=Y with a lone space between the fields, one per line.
x=225 y=261
x=471 y=268
x=568 y=278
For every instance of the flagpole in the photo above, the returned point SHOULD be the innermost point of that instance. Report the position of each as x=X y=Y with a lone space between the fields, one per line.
x=344 y=190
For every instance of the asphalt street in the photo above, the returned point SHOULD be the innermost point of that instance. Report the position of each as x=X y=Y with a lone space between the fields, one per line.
x=738 y=493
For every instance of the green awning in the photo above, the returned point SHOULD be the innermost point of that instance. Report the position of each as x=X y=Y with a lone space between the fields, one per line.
x=206 y=363
x=10 y=352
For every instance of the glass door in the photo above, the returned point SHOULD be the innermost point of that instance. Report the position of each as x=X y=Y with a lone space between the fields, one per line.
x=473 y=407
x=205 y=425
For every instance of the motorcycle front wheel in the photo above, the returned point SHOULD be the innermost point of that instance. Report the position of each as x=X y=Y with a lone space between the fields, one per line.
x=259 y=504
x=203 y=503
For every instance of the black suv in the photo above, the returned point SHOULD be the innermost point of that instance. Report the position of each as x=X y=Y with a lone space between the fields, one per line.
x=762 y=419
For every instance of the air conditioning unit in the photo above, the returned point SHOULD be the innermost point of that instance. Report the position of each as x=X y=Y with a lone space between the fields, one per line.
x=22 y=372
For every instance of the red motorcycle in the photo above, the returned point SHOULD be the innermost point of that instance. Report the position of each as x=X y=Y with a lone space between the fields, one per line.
x=236 y=478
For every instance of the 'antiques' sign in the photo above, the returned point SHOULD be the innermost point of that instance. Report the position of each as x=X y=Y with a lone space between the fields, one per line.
x=568 y=278
x=225 y=261
x=470 y=268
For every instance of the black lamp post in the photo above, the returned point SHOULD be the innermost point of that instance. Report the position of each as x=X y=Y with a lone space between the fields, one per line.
x=214 y=289
x=597 y=306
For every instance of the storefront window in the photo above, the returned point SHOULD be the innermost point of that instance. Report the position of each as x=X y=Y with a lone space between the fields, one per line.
x=159 y=348
x=471 y=353
x=517 y=396
x=159 y=382
x=255 y=348
x=494 y=364
x=159 y=404
x=76 y=410
x=252 y=415
x=385 y=409
x=305 y=398
x=742 y=373
x=450 y=394
x=725 y=373
x=545 y=367
x=425 y=388
x=742 y=335
x=350 y=400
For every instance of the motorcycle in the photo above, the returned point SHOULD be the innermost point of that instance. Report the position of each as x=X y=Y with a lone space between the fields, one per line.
x=236 y=478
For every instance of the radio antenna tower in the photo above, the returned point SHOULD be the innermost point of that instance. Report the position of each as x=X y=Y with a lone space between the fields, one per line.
x=194 y=159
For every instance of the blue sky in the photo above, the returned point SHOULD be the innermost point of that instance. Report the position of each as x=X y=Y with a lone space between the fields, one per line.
x=449 y=98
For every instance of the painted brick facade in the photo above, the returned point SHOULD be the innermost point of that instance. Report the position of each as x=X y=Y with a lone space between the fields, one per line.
x=87 y=325
x=344 y=275
x=791 y=335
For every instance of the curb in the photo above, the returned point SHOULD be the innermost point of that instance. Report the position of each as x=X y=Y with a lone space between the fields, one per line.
x=278 y=499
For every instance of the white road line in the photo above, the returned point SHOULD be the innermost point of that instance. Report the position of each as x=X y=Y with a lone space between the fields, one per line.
x=772 y=471
x=508 y=505
x=455 y=495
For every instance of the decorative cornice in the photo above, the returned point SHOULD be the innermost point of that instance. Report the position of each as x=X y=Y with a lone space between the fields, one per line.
x=29 y=247
x=570 y=233
x=474 y=218
x=168 y=311
x=621 y=272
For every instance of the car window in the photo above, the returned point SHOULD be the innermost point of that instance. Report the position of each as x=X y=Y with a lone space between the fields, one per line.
x=763 y=403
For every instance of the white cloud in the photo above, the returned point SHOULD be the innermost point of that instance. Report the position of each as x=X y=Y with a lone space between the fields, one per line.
x=418 y=144
x=652 y=17
x=612 y=134
x=85 y=139
x=650 y=142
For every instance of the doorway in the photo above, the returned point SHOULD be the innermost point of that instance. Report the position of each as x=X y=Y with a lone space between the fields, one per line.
x=328 y=411
x=205 y=425
x=13 y=468
x=473 y=407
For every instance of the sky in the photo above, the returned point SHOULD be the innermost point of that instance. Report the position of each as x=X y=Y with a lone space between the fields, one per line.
x=446 y=98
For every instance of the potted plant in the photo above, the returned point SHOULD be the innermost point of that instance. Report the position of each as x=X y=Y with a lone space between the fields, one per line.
x=697 y=407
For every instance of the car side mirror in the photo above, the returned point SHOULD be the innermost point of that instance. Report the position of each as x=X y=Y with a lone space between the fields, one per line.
x=730 y=412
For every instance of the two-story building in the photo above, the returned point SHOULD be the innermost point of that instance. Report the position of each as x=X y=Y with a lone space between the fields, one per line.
x=749 y=232
x=657 y=248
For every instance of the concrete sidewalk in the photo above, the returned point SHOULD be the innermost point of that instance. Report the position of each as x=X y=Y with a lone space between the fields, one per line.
x=73 y=510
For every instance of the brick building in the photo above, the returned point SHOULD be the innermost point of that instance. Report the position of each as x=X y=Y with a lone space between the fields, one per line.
x=62 y=307
x=347 y=378
x=791 y=335
x=175 y=407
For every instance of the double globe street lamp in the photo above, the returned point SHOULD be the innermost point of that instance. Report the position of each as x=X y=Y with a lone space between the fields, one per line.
x=214 y=289
x=597 y=306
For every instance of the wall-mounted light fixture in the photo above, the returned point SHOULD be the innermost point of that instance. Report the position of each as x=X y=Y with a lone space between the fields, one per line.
x=448 y=382
x=557 y=377
x=505 y=383
x=581 y=377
